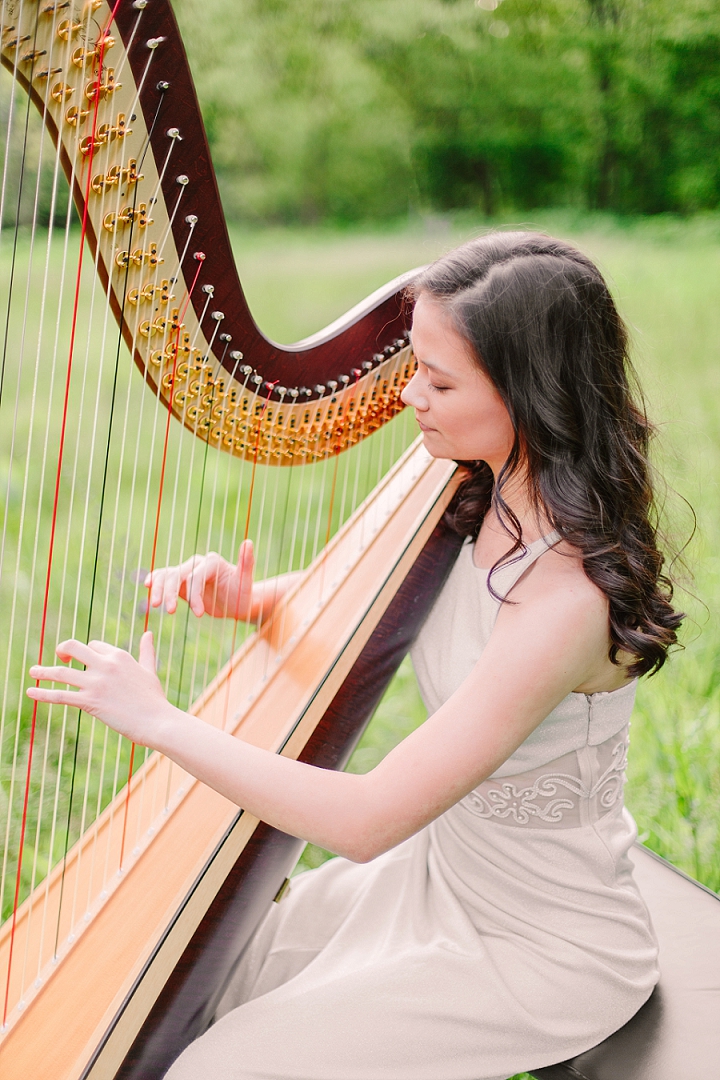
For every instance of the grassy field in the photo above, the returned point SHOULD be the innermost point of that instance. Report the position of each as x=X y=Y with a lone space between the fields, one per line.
x=665 y=275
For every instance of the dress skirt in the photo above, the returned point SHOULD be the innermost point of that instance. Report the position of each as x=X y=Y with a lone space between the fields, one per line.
x=474 y=950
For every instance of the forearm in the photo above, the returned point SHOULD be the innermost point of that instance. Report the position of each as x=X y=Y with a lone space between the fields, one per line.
x=266 y=595
x=334 y=810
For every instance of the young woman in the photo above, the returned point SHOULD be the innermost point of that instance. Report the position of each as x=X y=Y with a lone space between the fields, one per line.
x=484 y=918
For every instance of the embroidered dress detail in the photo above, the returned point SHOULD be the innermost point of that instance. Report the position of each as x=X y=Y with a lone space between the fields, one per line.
x=570 y=792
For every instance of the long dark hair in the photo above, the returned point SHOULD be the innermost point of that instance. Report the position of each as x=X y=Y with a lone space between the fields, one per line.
x=543 y=326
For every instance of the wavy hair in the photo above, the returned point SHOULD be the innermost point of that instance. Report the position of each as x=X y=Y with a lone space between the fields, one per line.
x=543 y=327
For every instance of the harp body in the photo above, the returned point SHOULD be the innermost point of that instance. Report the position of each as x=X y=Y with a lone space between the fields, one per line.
x=144 y=885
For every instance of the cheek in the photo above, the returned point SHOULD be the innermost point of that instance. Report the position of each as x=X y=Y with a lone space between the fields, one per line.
x=486 y=422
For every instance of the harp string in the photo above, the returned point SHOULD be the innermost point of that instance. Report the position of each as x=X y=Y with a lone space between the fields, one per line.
x=56 y=497
x=217 y=317
x=43 y=770
x=199 y=257
x=55 y=353
x=195 y=548
x=86 y=787
x=98 y=535
x=43 y=292
x=107 y=531
x=17 y=211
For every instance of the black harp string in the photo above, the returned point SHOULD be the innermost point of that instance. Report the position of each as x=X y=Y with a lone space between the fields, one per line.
x=226 y=339
x=209 y=291
x=184 y=641
x=98 y=532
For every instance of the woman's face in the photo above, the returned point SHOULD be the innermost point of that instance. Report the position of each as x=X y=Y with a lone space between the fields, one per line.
x=460 y=413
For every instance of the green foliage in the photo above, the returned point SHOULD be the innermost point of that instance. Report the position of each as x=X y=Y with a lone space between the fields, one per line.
x=323 y=109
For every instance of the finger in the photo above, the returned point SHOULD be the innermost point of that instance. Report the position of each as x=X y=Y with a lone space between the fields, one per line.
x=146 y=653
x=71 y=676
x=195 y=587
x=54 y=697
x=167 y=590
x=245 y=565
x=101 y=647
x=155 y=582
x=75 y=650
x=246 y=557
x=183 y=579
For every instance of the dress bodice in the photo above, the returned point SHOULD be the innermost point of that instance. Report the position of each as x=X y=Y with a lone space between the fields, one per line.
x=454 y=636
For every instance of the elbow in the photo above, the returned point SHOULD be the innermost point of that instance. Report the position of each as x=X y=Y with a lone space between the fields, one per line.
x=373 y=827
x=367 y=844
x=360 y=852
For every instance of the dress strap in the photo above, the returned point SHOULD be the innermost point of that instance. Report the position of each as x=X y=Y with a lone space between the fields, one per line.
x=507 y=576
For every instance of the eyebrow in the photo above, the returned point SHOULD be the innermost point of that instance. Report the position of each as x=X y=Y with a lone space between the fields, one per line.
x=434 y=367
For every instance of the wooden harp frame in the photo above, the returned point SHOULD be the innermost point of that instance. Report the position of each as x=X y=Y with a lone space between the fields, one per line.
x=126 y=995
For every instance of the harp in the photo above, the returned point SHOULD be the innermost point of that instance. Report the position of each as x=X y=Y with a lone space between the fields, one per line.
x=128 y=889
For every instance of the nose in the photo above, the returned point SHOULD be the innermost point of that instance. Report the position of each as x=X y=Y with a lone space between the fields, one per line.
x=412 y=394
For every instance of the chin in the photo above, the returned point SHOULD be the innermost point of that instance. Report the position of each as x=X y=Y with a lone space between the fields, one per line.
x=434 y=447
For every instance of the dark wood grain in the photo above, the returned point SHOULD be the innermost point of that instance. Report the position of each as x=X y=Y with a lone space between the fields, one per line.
x=367 y=333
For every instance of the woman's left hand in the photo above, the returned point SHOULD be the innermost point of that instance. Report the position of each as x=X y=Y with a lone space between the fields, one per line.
x=122 y=692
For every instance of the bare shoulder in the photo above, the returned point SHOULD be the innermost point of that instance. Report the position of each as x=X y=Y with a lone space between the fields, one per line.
x=555 y=592
x=558 y=577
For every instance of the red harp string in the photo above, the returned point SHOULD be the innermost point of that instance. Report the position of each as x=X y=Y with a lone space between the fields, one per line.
x=102 y=39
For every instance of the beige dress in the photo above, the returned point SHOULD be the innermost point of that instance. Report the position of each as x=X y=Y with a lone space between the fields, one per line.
x=507 y=935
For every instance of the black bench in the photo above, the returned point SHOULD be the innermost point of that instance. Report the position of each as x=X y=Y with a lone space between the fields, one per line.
x=676 y=1034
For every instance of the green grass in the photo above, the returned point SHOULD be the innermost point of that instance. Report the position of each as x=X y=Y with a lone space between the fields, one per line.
x=665 y=274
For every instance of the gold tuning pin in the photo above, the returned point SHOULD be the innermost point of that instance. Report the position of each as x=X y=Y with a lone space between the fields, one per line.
x=61 y=91
x=165 y=294
x=105 y=133
x=67 y=29
x=149 y=291
x=139 y=257
x=102 y=87
x=118 y=174
x=75 y=116
x=88 y=143
x=163 y=324
x=127 y=216
x=119 y=130
x=82 y=57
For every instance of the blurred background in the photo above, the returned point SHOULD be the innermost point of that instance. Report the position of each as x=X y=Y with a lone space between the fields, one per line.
x=368 y=110
x=355 y=140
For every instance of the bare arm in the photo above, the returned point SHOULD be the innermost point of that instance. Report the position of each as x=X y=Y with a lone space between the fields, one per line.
x=537 y=654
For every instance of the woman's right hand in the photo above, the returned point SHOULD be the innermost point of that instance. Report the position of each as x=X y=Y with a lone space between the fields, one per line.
x=210 y=584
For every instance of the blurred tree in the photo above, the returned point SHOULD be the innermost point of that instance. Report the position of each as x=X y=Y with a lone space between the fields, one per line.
x=330 y=109
x=301 y=126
